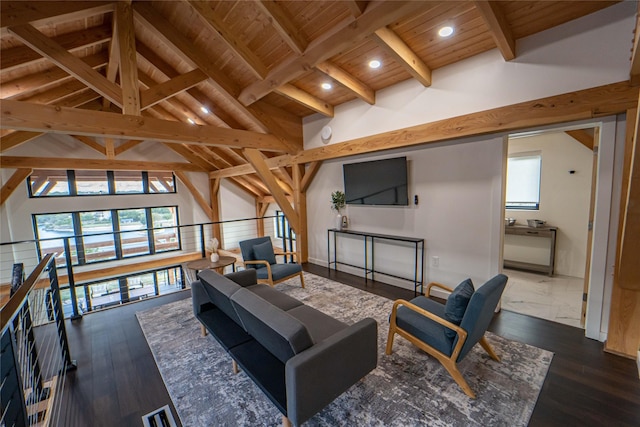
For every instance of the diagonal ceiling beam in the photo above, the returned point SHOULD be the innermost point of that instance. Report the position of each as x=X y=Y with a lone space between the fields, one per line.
x=72 y=65
x=498 y=26
x=403 y=54
x=306 y=99
x=283 y=24
x=202 y=202
x=20 y=56
x=12 y=183
x=92 y=143
x=22 y=86
x=583 y=137
x=44 y=118
x=235 y=44
x=346 y=35
x=272 y=163
x=127 y=145
x=262 y=169
x=172 y=87
x=347 y=80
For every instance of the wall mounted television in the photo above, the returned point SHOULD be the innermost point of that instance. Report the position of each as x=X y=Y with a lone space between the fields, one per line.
x=378 y=182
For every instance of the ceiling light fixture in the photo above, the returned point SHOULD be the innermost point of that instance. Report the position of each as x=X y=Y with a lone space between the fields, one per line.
x=375 y=64
x=190 y=120
x=326 y=86
x=445 y=31
x=204 y=109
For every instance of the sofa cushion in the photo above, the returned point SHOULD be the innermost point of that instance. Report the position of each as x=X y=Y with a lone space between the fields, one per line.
x=275 y=297
x=457 y=304
x=424 y=328
x=264 y=251
x=319 y=325
x=280 y=271
x=279 y=332
x=219 y=289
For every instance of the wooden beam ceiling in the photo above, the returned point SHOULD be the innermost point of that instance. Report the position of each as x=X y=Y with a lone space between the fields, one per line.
x=16 y=162
x=346 y=35
x=123 y=17
x=43 y=118
x=403 y=54
x=493 y=16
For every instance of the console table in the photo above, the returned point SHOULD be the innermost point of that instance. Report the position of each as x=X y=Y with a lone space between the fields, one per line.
x=417 y=280
x=540 y=232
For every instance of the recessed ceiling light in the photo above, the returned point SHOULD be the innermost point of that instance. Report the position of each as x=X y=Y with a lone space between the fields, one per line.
x=445 y=31
x=375 y=63
x=204 y=109
x=190 y=120
x=326 y=86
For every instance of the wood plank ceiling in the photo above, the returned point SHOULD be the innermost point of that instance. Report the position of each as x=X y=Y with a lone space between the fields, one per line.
x=214 y=80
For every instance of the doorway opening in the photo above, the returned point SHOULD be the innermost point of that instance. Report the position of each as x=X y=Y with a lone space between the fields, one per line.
x=549 y=208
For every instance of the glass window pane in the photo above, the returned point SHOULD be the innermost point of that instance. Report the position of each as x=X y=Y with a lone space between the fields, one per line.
x=128 y=182
x=104 y=294
x=49 y=230
x=165 y=236
x=523 y=181
x=97 y=245
x=92 y=182
x=161 y=182
x=169 y=280
x=133 y=242
x=49 y=183
x=141 y=286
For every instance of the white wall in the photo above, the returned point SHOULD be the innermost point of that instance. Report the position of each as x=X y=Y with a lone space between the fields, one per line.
x=585 y=53
x=564 y=203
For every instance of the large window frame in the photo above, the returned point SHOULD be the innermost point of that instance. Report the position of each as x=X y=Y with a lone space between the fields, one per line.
x=524 y=179
x=157 y=236
x=43 y=181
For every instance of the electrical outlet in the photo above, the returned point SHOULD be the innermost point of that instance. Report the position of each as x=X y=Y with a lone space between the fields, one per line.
x=435 y=261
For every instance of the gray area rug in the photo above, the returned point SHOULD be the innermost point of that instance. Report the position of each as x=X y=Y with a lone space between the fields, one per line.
x=408 y=388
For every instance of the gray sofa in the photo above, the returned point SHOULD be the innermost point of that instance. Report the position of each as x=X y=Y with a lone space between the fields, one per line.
x=301 y=358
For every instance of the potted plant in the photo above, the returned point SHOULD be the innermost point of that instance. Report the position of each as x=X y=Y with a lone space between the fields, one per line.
x=337 y=203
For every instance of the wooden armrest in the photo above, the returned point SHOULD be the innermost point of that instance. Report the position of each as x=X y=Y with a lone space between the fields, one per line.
x=462 y=334
x=295 y=255
x=437 y=285
x=259 y=261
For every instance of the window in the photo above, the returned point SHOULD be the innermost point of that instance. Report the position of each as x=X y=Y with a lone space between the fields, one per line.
x=97 y=236
x=523 y=181
x=51 y=183
x=282 y=226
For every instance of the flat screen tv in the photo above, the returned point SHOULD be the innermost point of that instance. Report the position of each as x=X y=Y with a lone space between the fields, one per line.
x=380 y=182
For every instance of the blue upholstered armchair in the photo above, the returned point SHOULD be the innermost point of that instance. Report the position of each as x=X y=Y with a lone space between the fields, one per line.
x=449 y=331
x=258 y=254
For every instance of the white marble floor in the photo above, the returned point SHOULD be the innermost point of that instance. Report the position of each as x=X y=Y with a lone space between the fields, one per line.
x=557 y=298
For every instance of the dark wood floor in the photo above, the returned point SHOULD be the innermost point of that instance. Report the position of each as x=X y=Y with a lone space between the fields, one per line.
x=117 y=381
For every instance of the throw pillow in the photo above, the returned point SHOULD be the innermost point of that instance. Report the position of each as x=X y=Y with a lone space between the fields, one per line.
x=264 y=251
x=457 y=304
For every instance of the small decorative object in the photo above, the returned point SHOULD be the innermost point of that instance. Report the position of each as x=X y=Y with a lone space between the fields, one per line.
x=325 y=134
x=345 y=222
x=337 y=203
x=213 y=248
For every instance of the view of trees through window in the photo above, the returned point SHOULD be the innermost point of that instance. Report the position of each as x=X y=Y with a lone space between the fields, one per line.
x=96 y=236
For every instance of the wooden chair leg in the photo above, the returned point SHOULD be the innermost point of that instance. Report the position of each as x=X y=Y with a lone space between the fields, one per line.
x=302 y=280
x=286 y=422
x=203 y=330
x=234 y=366
x=487 y=347
x=451 y=367
x=392 y=331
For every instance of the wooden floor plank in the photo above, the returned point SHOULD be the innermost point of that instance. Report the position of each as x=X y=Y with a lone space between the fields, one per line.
x=117 y=381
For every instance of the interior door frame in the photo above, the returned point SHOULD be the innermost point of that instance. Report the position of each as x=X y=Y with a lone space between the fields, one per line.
x=605 y=220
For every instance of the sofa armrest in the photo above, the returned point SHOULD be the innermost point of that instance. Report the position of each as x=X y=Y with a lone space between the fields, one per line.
x=315 y=377
x=199 y=297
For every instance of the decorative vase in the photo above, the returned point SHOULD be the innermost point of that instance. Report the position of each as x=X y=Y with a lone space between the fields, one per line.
x=215 y=257
x=338 y=224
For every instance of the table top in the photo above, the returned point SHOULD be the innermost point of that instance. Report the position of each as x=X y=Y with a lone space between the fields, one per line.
x=205 y=263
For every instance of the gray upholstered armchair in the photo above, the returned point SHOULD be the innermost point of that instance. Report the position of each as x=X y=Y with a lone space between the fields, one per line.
x=449 y=331
x=258 y=254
